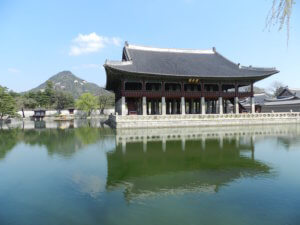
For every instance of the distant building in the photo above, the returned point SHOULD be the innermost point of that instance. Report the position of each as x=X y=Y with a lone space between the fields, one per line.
x=287 y=100
x=39 y=114
x=160 y=81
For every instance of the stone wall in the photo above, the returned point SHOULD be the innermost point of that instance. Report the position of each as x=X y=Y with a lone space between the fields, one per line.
x=152 y=121
x=29 y=113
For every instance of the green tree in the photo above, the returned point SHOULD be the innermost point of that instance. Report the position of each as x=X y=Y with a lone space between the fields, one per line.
x=105 y=101
x=87 y=103
x=63 y=100
x=24 y=102
x=48 y=95
x=7 y=103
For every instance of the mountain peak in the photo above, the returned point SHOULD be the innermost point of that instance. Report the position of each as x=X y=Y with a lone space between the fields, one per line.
x=66 y=81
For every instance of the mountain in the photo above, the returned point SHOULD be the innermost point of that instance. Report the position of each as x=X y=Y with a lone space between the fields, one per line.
x=66 y=81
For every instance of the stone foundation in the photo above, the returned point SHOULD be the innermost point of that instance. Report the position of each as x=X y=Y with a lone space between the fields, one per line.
x=158 y=121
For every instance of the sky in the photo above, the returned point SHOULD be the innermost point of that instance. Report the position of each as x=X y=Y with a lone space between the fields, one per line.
x=41 y=38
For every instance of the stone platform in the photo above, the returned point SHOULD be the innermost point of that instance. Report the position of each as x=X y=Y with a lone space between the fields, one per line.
x=196 y=120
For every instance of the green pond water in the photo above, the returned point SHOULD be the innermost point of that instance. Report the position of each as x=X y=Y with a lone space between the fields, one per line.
x=91 y=175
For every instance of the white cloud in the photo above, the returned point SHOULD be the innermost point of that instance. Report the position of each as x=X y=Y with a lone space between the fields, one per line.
x=90 y=43
x=13 y=70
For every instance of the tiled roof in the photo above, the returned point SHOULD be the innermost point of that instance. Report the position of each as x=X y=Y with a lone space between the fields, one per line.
x=181 y=62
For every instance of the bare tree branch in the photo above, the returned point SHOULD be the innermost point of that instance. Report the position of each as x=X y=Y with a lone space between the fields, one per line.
x=280 y=14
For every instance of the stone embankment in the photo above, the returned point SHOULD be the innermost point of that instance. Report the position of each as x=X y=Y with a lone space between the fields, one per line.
x=194 y=120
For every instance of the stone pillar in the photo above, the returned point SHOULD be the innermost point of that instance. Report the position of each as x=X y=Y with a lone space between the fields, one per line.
x=220 y=105
x=236 y=105
x=252 y=105
x=144 y=102
x=203 y=106
x=163 y=105
x=123 y=106
x=182 y=106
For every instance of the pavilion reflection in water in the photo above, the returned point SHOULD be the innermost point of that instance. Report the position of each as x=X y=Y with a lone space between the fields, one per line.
x=166 y=166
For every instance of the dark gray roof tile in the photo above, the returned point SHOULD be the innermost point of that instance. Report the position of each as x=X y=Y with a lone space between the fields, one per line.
x=180 y=62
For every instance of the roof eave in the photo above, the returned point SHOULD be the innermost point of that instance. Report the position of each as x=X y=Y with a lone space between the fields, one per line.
x=257 y=78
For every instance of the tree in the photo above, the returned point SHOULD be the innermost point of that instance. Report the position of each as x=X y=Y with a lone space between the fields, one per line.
x=280 y=14
x=23 y=102
x=7 y=103
x=104 y=101
x=256 y=90
x=87 y=102
x=49 y=94
x=276 y=88
x=63 y=100
x=29 y=103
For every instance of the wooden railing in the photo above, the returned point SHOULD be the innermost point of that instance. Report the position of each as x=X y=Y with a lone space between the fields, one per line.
x=186 y=94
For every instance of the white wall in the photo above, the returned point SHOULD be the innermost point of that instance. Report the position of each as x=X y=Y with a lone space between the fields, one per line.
x=29 y=113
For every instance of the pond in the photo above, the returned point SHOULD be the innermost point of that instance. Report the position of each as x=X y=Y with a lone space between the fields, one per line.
x=95 y=175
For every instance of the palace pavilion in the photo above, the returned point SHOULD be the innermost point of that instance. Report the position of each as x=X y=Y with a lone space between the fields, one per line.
x=161 y=81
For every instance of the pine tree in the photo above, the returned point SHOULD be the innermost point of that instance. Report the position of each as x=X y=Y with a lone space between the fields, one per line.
x=7 y=103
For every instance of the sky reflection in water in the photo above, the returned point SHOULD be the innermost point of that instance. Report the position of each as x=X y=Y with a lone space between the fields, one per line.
x=91 y=175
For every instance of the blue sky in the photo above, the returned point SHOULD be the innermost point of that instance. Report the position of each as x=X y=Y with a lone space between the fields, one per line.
x=41 y=38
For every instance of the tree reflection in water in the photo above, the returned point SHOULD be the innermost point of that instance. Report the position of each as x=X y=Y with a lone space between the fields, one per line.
x=64 y=142
x=8 y=140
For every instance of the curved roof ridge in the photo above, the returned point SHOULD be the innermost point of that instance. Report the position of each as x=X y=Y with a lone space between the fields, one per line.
x=246 y=67
x=171 y=50
x=219 y=54
x=117 y=63
x=259 y=68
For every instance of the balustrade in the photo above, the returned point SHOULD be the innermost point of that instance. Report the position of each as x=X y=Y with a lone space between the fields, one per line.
x=187 y=94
